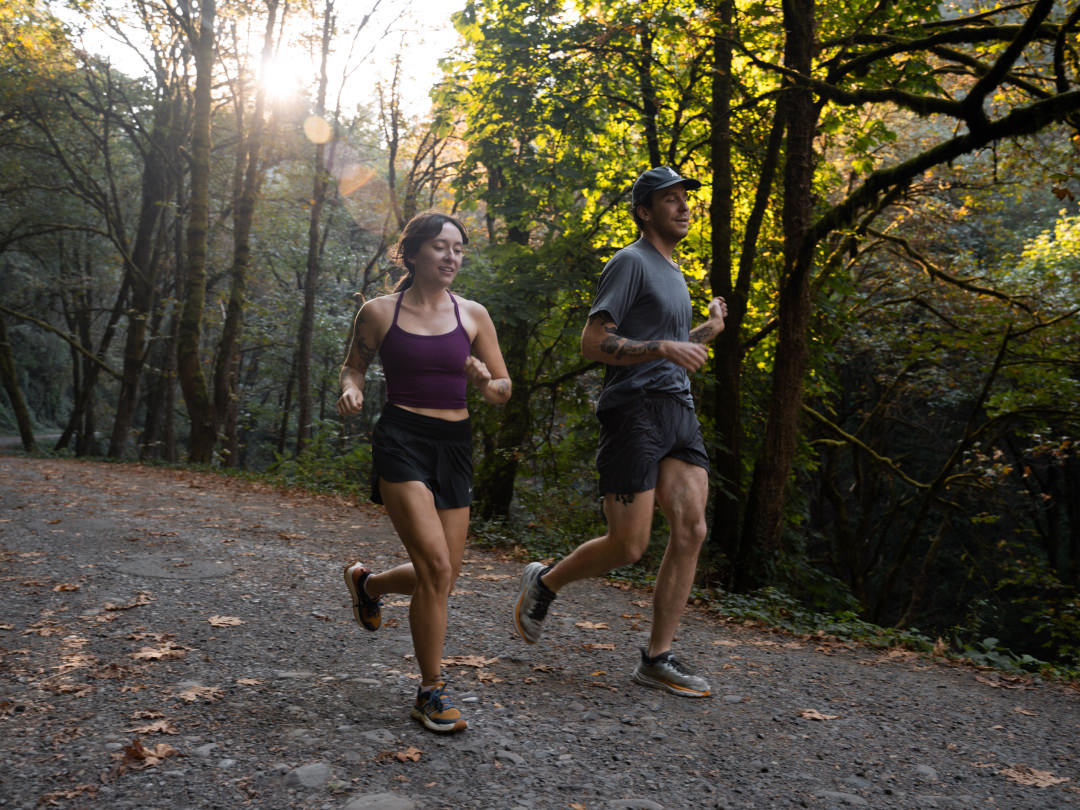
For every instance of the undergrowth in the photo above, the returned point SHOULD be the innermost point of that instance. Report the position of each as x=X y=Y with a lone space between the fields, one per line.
x=773 y=608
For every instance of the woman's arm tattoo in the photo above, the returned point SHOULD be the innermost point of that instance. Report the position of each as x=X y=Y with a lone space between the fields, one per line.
x=364 y=353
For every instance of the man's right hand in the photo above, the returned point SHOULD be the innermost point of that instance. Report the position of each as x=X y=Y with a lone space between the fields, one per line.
x=350 y=401
x=690 y=356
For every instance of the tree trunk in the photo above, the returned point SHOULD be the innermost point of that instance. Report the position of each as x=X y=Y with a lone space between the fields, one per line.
x=311 y=278
x=494 y=490
x=648 y=96
x=246 y=192
x=725 y=402
x=286 y=407
x=762 y=528
x=10 y=380
x=84 y=385
x=141 y=269
x=203 y=434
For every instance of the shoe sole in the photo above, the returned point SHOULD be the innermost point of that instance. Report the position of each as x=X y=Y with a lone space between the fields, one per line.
x=350 y=581
x=673 y=688
x=439 y=728
x=517 y=610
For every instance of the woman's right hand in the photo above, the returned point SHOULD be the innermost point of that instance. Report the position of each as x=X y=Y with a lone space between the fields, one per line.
x=350 y=401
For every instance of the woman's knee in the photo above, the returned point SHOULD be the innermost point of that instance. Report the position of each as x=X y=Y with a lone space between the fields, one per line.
x=437 y=573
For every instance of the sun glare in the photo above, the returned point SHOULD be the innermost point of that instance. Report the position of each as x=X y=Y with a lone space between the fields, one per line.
x=284 y=75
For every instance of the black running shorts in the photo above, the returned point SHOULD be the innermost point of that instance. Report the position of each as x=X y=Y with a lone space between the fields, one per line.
x=636 y=437
x=407 y=446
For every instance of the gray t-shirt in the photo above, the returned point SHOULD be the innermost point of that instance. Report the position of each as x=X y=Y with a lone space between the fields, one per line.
x=646 y=296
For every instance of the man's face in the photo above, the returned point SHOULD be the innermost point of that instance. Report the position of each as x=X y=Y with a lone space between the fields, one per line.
x=669 y=215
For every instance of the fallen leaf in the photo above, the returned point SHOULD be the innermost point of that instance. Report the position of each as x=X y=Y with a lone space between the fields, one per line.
x=167 y=650
x=488 y=677
x=225 y=621
x=594 y=647
x=66 y=586
x=249 y=681
x=1023 y=775
x=159 y=727
x=137 y=756
x=814 y=714
x=56 y=798
x=999 y=681
x=1018 y=710
x=207 y=693
x=592 y=625
x=410 y=754
x=141 y=598
x=468 y=661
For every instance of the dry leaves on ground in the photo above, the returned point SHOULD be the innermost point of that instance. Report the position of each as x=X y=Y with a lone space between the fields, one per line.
x=136 y=756
x=225 y=621
x=814 y=714
x=207 y=693
x=168 y=649
x=141 y=598
x=57 y=797
x=468 y=661
x=1023 y=775
x=157 y=727
x=1001 y=681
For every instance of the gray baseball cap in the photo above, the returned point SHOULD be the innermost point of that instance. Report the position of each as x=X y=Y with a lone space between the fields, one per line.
x=656 y=179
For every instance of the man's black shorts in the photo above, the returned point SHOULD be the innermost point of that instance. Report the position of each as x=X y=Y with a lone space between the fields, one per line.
x=634 y=438
x=407 y=446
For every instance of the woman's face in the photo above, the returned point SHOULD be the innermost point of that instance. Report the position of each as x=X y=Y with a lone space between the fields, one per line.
x=440 y=257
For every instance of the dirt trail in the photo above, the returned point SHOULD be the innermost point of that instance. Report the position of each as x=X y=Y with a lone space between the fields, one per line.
x=175 y=640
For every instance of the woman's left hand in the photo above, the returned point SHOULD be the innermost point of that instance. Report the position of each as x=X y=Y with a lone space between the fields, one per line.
x=477 y=372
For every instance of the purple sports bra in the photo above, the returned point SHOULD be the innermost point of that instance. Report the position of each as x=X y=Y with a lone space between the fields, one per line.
x=425 y=371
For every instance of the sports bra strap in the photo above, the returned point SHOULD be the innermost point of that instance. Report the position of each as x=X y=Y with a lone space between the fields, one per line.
x=397 y=307
x=401 y=295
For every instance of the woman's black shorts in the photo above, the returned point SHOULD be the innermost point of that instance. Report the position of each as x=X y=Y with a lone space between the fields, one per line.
x=407 y=446
x=636 y=437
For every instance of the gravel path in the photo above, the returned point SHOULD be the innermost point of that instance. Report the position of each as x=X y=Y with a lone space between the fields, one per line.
x=176 y=640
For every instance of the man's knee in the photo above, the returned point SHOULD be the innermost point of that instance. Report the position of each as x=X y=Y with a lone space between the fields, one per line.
x=628 y=546
x=691 y=535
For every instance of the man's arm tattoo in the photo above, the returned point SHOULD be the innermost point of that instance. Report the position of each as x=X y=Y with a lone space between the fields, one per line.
x=703 y=334
x=619 y=346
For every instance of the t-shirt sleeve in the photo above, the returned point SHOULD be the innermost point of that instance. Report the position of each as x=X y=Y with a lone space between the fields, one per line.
x=617 y=288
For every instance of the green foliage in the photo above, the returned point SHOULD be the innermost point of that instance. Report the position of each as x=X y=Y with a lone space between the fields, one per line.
x=325 y=466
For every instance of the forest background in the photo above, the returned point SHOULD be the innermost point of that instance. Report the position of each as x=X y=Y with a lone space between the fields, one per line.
x=890 y=210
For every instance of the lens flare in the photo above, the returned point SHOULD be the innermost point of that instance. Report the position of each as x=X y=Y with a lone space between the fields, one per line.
x=318 y=129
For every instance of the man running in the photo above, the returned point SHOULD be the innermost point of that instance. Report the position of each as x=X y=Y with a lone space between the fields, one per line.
x=651 y=450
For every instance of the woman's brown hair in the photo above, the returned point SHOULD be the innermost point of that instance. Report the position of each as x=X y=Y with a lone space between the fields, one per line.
x=418 y=230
